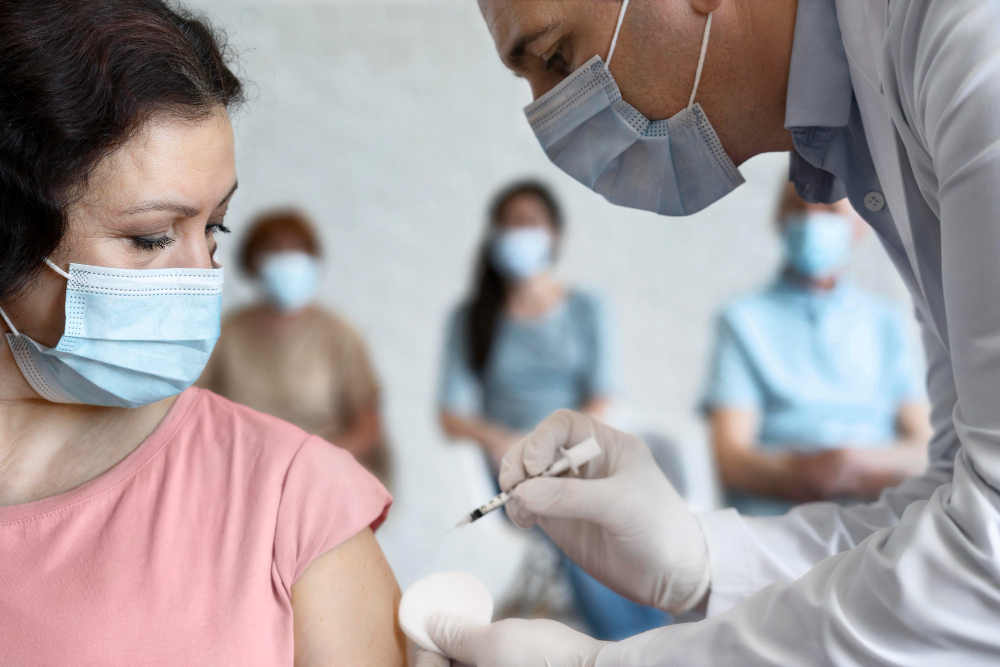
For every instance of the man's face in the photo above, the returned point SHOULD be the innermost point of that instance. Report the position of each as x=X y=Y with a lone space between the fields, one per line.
x=546 y=40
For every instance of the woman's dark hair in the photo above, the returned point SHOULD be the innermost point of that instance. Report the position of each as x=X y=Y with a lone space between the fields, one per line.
x=269 y=223
x=79 y=78
x=490 y=295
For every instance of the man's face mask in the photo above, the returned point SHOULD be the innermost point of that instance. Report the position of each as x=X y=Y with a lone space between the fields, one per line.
x=671 y=167
x=818 y=245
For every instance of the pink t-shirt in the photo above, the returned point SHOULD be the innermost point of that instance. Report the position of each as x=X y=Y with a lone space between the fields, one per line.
x=185 y=552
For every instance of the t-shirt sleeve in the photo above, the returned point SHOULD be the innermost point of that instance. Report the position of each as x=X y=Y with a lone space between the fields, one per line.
x=731 y=380
x=327 y=499
x=460 y=391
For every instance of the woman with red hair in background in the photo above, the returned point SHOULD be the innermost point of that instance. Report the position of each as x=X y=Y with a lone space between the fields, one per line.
x=291 y=358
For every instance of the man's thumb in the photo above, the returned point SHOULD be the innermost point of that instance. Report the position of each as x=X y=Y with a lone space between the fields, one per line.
x=457 y=637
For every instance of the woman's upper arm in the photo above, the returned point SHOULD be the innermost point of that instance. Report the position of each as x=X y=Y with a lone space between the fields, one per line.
x=344 y=607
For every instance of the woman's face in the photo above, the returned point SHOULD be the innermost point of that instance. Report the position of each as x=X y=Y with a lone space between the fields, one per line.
x=280 y=240
x=525 y=212
x=156 y=203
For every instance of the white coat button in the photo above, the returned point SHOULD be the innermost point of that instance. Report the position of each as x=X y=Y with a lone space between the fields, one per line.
x=874 y=201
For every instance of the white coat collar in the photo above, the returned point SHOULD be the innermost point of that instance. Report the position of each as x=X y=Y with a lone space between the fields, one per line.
x=819 y=78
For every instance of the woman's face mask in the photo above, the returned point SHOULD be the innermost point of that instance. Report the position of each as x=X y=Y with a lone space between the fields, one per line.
x=132 y=337
x=817 y=245
x=671 y=167
x=289 y=280
x=521 y=254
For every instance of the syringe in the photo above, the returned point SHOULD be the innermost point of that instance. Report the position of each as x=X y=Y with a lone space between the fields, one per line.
x=572 y=459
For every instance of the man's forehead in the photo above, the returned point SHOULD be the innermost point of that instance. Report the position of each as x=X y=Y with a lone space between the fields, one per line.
x=510 y=21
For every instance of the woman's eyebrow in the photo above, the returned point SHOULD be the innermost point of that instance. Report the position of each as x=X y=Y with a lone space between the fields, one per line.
x=230 y=195
x=163 y=205
x=514 y=57
x=185 y=210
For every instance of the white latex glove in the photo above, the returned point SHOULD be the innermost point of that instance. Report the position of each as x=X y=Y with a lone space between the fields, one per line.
x=510 y=643
x=620 y=520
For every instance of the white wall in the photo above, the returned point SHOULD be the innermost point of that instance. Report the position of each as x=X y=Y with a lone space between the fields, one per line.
x=392 y=122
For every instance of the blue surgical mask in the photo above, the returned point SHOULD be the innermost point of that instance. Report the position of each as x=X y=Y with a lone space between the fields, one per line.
x=818 y=245
x=671 y=167
x=521 y=254
x=132 y=337
x=289 y=280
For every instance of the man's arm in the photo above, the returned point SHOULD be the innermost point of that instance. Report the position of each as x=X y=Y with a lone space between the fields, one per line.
x=745 y=467
x=864 y=473
x=344 y=608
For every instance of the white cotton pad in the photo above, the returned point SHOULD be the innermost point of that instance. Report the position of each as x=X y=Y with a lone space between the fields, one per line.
x=455 y=592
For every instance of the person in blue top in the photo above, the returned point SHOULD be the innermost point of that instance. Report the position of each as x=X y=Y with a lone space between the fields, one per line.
x=525 y=345
x=813 y=392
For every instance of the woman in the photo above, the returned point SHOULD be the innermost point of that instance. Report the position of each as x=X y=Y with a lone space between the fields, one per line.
x=292 y=359
x=813 y=394
x=141 y=522
x=524 y=346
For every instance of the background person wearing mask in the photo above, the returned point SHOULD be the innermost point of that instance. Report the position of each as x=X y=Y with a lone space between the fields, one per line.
x=813 y=394
x=144 y=521
x=892 y=104
x=288 y=357
x=525 y=345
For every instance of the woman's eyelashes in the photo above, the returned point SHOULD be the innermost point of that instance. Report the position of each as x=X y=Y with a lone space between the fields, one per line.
x=151 y=243
x=217 y=228
x=154 y=243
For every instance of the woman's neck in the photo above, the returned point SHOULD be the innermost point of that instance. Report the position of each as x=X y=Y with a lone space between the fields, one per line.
x=50 y=448
x=534 y=297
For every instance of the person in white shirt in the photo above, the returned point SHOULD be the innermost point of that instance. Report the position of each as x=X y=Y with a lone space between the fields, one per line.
x=891 y=104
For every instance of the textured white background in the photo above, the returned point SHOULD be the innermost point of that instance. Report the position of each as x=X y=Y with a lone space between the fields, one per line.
x=392 y=122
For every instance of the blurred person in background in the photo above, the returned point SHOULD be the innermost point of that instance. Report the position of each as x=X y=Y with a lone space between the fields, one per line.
x=813 y=392
x=525 y=345
x=288 y=357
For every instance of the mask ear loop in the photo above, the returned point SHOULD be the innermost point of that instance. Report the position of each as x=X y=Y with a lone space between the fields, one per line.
x=614 y=40
x=6 y=319
x=57 y=269
x=701 y=60
x=10 y=324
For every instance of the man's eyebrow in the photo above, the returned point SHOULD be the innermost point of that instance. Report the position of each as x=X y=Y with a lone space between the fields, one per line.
x=514 y=58
x=174 y=207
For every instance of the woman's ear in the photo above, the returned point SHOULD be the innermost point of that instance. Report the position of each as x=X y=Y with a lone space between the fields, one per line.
x=705 y=6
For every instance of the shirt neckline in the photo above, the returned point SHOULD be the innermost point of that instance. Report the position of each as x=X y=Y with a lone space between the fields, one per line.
x=557 y=309
x=107 y=481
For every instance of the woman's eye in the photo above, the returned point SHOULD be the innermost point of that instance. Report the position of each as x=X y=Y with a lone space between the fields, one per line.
x=217 y=228
x=147 y=243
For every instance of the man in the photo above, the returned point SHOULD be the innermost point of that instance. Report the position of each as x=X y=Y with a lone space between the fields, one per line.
x=894 y=105
x=813 y=392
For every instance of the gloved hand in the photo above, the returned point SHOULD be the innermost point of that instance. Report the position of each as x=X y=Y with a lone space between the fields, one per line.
x=510 y=643
x=620 y=520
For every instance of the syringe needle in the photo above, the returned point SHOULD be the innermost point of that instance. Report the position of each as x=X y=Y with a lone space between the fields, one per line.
x=572 y=459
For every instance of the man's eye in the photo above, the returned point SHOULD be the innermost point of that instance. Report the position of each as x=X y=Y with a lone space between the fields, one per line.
x=151 y=244
x=556 y=63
